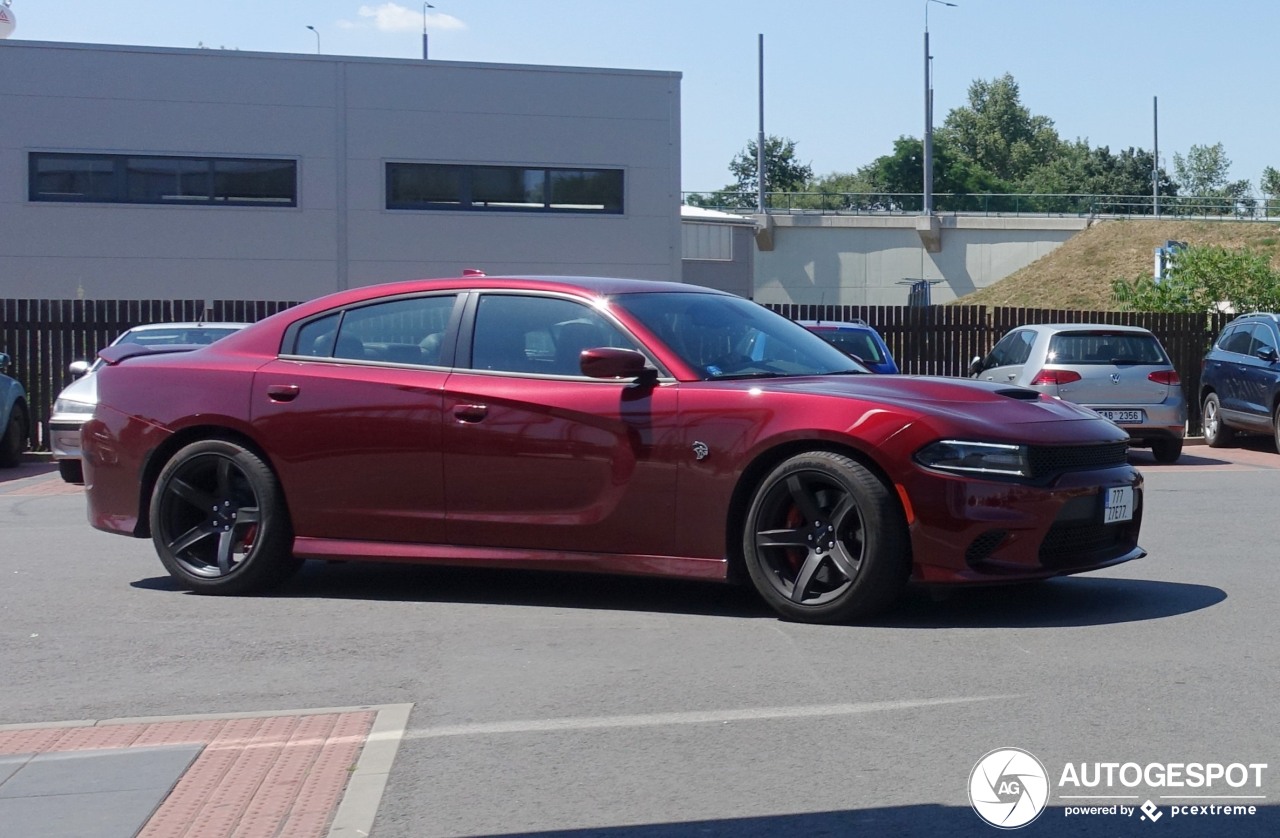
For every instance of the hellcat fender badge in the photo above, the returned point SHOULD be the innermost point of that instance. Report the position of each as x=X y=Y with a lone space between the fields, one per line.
x=700 y=450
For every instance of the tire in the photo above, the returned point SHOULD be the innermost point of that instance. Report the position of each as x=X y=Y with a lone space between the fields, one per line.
x=825 y=540
x=1166 y=450
x=1216 y=434
x=72 y=471
x=219 y=521
x=1275 y=425
x=14 y=441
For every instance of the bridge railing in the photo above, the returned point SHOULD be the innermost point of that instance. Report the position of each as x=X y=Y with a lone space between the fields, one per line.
x=992 y=204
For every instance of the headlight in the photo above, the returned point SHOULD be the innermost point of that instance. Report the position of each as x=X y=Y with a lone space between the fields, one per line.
x=69 y=406
x=980 y=458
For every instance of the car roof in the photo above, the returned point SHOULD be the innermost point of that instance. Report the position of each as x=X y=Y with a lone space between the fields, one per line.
x=857 y=325
x=1054 y=328
x=152 y=327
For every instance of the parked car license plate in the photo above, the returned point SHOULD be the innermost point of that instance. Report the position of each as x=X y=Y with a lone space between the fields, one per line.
x=1118 y=505
x=1123 y=417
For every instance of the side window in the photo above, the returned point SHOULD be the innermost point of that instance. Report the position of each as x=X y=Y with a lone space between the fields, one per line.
x=1014 y=348
x=528 y=334
x=398 y=332
x=1236 y=340
x=1263 y=339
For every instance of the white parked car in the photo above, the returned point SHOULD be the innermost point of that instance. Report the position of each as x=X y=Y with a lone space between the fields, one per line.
x=74 y=405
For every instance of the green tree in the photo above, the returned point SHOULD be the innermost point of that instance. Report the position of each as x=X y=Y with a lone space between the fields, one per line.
x=1270 y=185
x=783 y=173
x=954 y=178
x=1204 y=278
x=1203 y=180
x=998 y=134
x=1078 y=169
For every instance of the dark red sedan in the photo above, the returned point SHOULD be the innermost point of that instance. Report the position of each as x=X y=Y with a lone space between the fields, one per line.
x=594 y=424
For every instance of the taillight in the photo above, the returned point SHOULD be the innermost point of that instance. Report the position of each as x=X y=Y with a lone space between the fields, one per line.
x=1055 y=377
x=1169 y=377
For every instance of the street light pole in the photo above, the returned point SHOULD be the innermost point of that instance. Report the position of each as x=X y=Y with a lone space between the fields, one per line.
x=313 y=29
x=928 y=111
x=425 y=6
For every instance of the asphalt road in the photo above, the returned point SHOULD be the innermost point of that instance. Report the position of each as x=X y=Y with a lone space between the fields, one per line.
x=623 y=707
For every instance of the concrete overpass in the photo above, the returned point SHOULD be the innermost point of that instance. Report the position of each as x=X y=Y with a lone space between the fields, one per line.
x=873 y=259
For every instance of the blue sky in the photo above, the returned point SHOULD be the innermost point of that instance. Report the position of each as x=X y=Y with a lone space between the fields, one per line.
x=843 y=78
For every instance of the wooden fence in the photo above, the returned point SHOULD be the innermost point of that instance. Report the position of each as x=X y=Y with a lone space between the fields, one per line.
x=45 y=336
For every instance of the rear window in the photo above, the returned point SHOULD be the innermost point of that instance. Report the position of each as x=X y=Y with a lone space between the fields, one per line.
x=1105 y=348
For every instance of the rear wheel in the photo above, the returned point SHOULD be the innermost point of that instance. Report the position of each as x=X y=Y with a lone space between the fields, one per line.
x=219 y=522
x=1216 y=434
x=825 y=540
x=1166 y=450
x=14 y=441
x=1275 y=424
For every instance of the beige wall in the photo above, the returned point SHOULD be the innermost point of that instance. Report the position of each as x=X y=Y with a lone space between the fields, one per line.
x=342 y=119
x=869 y=260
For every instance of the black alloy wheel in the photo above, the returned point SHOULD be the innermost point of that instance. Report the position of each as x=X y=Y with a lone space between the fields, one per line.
x=825 y=540
x=1216 y=434
x=219 y=521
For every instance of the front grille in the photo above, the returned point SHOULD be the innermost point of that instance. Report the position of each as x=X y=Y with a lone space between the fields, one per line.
x=1046 y=461
x=1078 y=538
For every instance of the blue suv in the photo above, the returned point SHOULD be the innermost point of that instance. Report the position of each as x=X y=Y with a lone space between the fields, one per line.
x=14 y=421
x=855 y=338
x=1240 y=381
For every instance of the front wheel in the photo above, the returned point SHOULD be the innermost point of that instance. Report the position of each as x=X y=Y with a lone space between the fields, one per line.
x=14 y=438
x=1216 y=434
x=1275 y=424
x=825 y=540
x=219 y=522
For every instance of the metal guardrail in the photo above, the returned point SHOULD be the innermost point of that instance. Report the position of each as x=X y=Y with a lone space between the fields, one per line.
x=992 y=204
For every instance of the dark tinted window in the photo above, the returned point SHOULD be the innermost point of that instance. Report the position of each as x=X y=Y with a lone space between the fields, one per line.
x=861 y=344
x=1263 y=339
x=723 y=336
x=157 y=179
x=1013 y=349
x=529 y=334
x=498 y=188
x=1236 y=339
x=1093 y=347
x=396 y=332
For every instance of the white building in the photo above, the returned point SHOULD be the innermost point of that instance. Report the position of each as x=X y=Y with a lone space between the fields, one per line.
x=130 y=172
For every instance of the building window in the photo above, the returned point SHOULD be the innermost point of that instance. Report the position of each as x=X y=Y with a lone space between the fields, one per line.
x=440 y=186
x=154 y=179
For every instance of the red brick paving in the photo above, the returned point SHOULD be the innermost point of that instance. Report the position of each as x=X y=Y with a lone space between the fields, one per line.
x=257 y=777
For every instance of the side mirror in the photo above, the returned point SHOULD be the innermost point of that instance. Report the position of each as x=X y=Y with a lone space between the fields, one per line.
x=1269 y=355
x=612 y=362
x=4 y=361
x=78 y=368
x=975 y=366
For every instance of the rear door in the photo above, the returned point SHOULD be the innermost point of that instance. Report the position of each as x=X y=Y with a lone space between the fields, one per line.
x=352 y=413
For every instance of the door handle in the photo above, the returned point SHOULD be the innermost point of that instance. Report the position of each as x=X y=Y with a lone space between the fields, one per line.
x=283 y=392
x=470 y=412
x=1012 y=376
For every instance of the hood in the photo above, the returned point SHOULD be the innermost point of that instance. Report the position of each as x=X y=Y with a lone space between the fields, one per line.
x=958 y=398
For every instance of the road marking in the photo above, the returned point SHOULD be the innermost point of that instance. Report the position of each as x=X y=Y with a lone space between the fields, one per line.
x=687 y=718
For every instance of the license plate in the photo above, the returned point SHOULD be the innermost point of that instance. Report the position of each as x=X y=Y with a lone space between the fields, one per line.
x=1118 y=505
x=1123 y=417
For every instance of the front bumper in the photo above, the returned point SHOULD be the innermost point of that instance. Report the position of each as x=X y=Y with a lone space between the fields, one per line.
x=64 y=437
x=968 y=531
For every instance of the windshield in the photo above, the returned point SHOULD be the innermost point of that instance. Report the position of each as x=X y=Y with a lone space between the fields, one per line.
x=725 y=337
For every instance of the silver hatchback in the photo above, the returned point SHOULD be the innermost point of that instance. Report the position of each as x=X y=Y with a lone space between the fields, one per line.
x=1122 y=372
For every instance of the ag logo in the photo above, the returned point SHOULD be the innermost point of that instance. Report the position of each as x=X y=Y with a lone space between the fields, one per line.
x=1008 y=788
